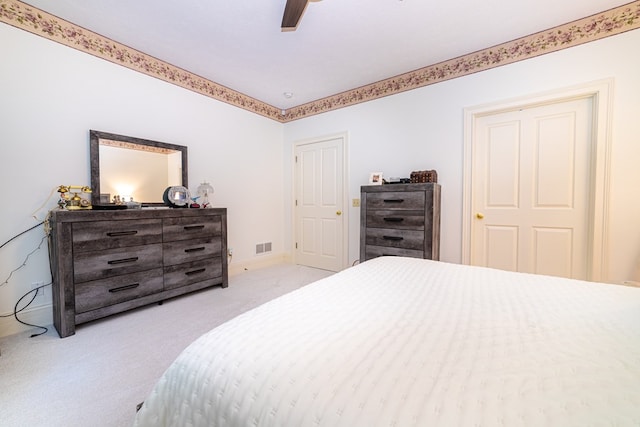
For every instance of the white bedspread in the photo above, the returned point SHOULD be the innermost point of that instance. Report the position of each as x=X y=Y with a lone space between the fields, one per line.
x=408 y=342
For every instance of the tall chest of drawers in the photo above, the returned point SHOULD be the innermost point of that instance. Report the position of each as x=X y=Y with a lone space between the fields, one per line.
x=400 y=220
x=107 y=262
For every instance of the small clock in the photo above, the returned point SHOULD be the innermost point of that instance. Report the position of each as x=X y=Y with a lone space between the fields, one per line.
x=176 y=196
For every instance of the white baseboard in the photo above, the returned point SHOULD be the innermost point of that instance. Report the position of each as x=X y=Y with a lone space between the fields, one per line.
x=262 y=261
x=41 y=315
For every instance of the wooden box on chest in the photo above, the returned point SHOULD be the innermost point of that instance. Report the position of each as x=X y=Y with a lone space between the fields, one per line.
x=400 y=220
x=106 y=262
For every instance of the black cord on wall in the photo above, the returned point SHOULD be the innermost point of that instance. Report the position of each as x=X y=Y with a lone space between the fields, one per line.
x=20 y=234
x=32 y=291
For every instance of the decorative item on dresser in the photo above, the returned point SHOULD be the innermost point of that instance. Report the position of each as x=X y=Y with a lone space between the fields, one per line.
x=107 y=262
x=400 y=219
x=424 y=176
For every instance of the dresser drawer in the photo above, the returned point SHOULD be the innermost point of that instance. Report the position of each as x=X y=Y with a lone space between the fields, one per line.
x=99 y=235
x=410 y=200
x=191 y=227
x=414 y=220
x=179 y=275
x=407 y=239
x=113 y=262
x=102 y=293
x=192 y=250
x=376 y=251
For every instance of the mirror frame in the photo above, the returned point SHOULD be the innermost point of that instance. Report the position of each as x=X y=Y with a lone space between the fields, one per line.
x=94 y=154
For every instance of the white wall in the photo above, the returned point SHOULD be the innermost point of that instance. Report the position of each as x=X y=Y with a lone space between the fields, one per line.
x=51 y=95
x=423 y=129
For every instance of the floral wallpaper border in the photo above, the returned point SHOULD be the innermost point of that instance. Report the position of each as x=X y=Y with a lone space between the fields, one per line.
x=138 y=147
x=605 y=24
x=39 y=22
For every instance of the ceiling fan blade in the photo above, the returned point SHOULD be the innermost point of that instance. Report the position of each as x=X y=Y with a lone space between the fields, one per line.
x=292 y=13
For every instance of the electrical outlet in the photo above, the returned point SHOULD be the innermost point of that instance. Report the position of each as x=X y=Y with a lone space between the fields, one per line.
x=230 y=251
x=355 y=203
x=37 y=285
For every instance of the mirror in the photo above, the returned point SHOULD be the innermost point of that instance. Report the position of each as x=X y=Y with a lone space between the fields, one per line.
x=134 y=168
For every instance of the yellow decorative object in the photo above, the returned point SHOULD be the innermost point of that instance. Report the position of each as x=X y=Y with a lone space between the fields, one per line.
x=77 y=200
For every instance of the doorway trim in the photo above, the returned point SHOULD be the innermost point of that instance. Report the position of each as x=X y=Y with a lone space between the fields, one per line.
x=344 y=262
x=601 y=92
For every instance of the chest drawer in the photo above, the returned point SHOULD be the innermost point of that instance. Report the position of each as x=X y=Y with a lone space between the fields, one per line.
x=179 y=275
x=191 y=228
x=113 y=262
x=376 y=251
x=409 y=200
x=100 y=235
x=102 y=293
x=407 y=239
x=414 y=220
x=192 y=250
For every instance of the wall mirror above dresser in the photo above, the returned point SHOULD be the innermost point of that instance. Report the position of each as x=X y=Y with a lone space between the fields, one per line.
x=134 y=168
x=104 y=262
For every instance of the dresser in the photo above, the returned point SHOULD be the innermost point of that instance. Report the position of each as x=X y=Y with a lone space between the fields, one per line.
x=107 y=262
x=400 y=220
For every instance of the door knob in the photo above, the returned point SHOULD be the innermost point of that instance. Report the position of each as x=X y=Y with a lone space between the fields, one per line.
x=338 y=212
x=479 y=215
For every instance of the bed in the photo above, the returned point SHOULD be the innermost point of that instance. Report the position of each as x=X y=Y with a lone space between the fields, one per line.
x=408 y=342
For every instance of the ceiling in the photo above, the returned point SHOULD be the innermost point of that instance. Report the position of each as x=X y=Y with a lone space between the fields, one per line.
x=339 y=44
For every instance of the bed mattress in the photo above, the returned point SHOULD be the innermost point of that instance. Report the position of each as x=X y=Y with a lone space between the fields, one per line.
x=409 y=342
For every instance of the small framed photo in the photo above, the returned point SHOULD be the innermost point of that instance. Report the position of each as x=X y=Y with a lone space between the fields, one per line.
x=375 y=178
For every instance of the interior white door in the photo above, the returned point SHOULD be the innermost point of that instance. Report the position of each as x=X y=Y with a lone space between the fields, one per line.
x=319 y=231
x=531 y=172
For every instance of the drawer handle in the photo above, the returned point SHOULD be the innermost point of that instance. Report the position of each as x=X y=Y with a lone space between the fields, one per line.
x=122 y=233
x=395 y=238
x=124 y=288
x=201 y=248
x=393 y=200
x=122 y=261
x=200 y=270
x=194 y=227
x=394 y=219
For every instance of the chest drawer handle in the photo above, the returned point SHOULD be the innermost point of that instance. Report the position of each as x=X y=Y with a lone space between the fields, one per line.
x=393 y=200
x=394 y=238
x=394 y=219
x=122 y=233
x=124 y=288
x=201 y=248
x=200 y=270
x=194 y=227
x=123 y=260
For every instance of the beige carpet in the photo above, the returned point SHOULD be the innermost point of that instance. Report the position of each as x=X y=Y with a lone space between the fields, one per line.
x=98 y=376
